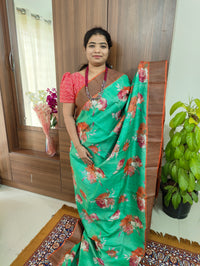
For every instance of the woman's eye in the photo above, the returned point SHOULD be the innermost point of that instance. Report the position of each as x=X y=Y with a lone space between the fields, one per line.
x=103 y=46
x=91 y=45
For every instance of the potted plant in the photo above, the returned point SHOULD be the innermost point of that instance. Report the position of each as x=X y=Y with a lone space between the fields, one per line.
x=180 y=176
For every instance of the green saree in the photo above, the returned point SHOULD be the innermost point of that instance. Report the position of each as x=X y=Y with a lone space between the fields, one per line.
x=110 y=194
x=113 y=197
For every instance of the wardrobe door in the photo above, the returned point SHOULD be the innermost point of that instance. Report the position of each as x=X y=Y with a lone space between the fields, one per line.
x=141 y=31
x=72 y=18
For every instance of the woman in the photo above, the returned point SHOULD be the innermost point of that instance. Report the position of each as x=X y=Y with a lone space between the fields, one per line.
x=106 y=121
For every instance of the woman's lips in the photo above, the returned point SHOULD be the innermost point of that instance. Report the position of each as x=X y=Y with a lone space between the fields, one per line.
x=96 y=56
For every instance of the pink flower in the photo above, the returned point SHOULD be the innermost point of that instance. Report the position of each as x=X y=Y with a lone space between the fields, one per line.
x=116 y=215
x=85 y=245
x=141 y=204
x=140 y=98
x=100 y=261
x=102 y=104
x=120 y=164
x=79 y=199
x=94 y=217
x=142 y=75
x=123 y=94
x=137 y=222
x=141 y=139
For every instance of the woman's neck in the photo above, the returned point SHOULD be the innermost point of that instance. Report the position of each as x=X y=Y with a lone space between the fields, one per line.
x=93 y=70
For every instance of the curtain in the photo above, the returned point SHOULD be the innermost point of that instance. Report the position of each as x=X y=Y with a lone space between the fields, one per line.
x=36 y=56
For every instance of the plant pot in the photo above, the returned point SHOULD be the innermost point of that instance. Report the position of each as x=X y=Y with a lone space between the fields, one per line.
x=180 y=213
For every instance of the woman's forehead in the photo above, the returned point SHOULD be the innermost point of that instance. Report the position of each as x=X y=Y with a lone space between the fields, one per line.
x=97 y=38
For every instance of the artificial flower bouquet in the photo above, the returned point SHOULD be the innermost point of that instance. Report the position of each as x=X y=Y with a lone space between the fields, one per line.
x=45 y=106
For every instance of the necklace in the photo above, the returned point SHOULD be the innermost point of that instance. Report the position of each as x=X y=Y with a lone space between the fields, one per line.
x=102 y=86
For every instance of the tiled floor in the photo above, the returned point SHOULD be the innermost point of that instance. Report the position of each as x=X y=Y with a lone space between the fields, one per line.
x=23 y=214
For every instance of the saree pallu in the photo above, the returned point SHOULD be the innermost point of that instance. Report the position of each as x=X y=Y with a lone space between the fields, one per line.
x=111 y=193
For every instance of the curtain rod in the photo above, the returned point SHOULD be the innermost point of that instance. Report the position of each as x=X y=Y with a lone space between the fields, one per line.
x=36 y=16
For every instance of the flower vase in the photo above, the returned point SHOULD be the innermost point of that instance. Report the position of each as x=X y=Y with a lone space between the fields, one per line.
x=50 y=147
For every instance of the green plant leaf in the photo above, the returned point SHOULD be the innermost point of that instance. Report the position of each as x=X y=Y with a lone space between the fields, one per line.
x=192 y=121
x=194 y=196
x=177 y=120
x=165 y=169
x=183 y=133
x=188 y=127
x=191 y=184
x=182 y=179
x=174 y=173
x=176 y=139
x=189 y=154
x=198 y=113
x=191 y=141
x=168 y=187
x=197 y=136
x=184 y=163
x=167 y=198
x=195 y=167
x=175 y=106
x=179 y=151
x=176 y=199
x=197 y=186
x=186 y=198
x=197 y=101
x=171 y=132
x=169 y=152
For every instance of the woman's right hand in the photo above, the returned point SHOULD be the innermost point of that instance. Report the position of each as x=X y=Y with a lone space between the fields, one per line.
x=84 y=154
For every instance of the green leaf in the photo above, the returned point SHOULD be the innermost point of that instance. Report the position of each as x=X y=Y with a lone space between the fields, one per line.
x=194 y=196
x=175 y=106
x=167 y=198
x=197 y=136
x=197 y=101
x=186 y=198
x=177 y=120
x=191 y=141
x=192 y=121
x=189 y=154
x=198 y=113
x=183 y=133
x=184 y=163
x=171 y=132
x=191 y=184
x=174 y=173
x=165 y=169
x=176 y=139
x=182 y=179
x=195 y=167
x=179 y=151
x=176 y=200
x=197 y=186
x=169 y=152
x=168 y=187
x=188 y=127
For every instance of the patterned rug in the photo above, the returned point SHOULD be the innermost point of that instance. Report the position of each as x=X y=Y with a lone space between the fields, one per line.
x=160 y=250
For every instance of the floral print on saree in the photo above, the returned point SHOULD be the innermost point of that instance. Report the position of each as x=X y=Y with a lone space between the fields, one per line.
x=110 y=194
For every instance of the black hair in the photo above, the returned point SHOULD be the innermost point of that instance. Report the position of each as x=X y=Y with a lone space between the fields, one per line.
x=95 y=31
x=89 y=34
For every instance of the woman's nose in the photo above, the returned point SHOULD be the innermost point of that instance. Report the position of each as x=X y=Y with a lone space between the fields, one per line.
x=97 y=48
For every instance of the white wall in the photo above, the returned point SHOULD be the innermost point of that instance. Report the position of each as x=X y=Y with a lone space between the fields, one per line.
x=184 y=68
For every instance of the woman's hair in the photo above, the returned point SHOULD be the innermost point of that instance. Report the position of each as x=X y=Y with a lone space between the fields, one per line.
x=95 y=31
x=89 y=34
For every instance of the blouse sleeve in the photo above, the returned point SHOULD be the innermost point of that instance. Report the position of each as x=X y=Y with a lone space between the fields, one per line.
x=67 y=89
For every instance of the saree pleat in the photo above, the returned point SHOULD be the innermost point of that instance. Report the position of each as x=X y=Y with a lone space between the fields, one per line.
x=122 y=129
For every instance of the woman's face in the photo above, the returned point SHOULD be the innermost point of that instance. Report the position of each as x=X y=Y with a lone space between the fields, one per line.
x=97 y=50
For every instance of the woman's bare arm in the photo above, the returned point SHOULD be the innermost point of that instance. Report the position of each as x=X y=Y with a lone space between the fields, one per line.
x=68 y=113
